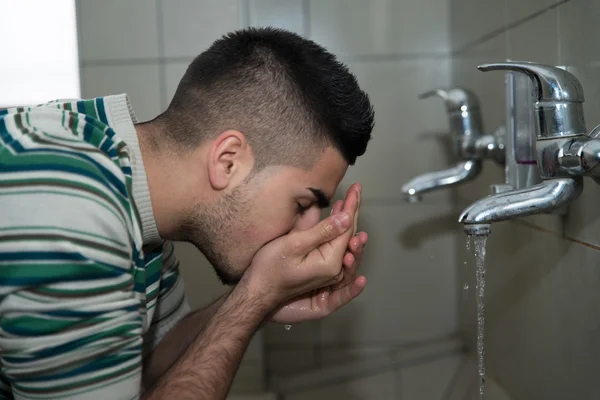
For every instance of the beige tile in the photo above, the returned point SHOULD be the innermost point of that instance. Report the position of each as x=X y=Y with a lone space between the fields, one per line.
x=250 y=378
x=283 y=362
x=253 y=396
x=331 y=354
x=332 y=371
x=536 y=40
x=380 y=386
x=495 y=392
x=173 y=73
x=470 y=20
x=519 y=10
x=409 y=265
x=201 y=283
x=429 y=381
x=542 y=314
x=286 y=14
x=114 y=29
x=580 y=52
x=191 y=26
x=140 y=82
x=410 y=134
x=349 y=27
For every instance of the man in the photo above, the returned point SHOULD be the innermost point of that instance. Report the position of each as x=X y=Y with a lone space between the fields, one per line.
x=255 y=141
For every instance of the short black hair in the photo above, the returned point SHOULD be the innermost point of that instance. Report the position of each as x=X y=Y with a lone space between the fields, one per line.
x=286 y=93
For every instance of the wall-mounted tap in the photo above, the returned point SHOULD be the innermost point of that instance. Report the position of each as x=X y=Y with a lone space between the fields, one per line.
x=565 y=152
x=469 y=144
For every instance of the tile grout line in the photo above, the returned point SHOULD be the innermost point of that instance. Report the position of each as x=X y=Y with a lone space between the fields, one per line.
x=506 y=28
x=454 y=380
x=558 y=235
x=373 y=371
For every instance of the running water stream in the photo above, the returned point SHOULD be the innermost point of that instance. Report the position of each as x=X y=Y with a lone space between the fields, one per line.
x=480 y=242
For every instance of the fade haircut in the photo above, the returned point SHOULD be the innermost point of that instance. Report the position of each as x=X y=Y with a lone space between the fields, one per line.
x=285 y=93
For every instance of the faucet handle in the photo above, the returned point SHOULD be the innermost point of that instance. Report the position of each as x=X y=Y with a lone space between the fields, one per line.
x=455 y=99
x=552 y=84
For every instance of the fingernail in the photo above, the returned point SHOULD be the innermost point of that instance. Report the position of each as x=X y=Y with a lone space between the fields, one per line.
x=342 y=220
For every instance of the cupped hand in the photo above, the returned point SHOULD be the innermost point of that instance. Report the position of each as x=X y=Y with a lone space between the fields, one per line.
x=327 y=299
x=302 y=261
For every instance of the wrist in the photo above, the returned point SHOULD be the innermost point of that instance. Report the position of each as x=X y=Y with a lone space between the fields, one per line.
x=256 y=296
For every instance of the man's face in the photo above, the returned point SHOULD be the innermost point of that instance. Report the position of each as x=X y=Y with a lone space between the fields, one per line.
x=272 y=203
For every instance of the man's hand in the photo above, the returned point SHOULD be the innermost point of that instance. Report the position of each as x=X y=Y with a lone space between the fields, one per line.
x=324 y=301
x=302 y=261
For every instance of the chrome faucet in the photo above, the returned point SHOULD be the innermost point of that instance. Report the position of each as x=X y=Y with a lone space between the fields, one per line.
x=565 y=152
x=469 y=144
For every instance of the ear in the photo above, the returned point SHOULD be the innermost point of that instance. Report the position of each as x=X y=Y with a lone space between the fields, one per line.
x=230 y=160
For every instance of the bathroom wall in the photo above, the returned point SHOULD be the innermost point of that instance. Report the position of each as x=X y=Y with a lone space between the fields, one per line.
x=398 y=49
x=542 y=297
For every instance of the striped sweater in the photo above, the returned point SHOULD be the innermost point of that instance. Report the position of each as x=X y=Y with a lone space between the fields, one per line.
x=86 y=284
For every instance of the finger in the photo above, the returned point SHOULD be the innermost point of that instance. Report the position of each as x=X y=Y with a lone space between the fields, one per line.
x=344 y=295
x=349 y=260
x=352 y=203
x=337 y=207
x=325 y=231
x=363 y=237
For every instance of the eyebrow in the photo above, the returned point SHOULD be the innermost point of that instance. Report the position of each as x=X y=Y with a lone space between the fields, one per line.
x=322 y=200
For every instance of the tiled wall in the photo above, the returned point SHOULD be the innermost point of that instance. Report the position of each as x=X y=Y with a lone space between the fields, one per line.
x=543 y=302
x=397 y=49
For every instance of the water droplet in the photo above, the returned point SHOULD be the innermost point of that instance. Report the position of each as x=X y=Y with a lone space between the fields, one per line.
x=466 y=287
x=287 y=327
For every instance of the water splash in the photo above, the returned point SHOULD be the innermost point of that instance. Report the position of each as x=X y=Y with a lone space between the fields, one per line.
x=480 y=243
x=287 y=327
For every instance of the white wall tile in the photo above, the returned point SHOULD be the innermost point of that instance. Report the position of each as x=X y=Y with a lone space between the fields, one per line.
x=191 y=26
x=286 y=14
x=580 y=52
x=381 y=387
x=518 y=10
x=173 y=73
x=140 y=82
x=525 y=44
x=429 y=381
x=292 y=360
x=114 y=29
x=201 y=283
x=248 y=379
x=349 y=27
x=470 y=20
x=411 y=280
x=409 y=134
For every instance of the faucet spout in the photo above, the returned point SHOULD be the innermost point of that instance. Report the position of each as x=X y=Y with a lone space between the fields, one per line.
x=462 y=172
x=545 y=197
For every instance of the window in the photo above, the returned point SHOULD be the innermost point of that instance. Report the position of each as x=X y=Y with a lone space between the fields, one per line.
x=39 y=58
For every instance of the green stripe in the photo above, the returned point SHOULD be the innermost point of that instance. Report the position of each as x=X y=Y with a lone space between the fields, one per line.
x=54 y=271
x=55 y=228
x=90 y=108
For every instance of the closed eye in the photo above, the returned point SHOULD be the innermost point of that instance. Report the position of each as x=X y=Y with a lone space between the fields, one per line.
x=302 y=209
